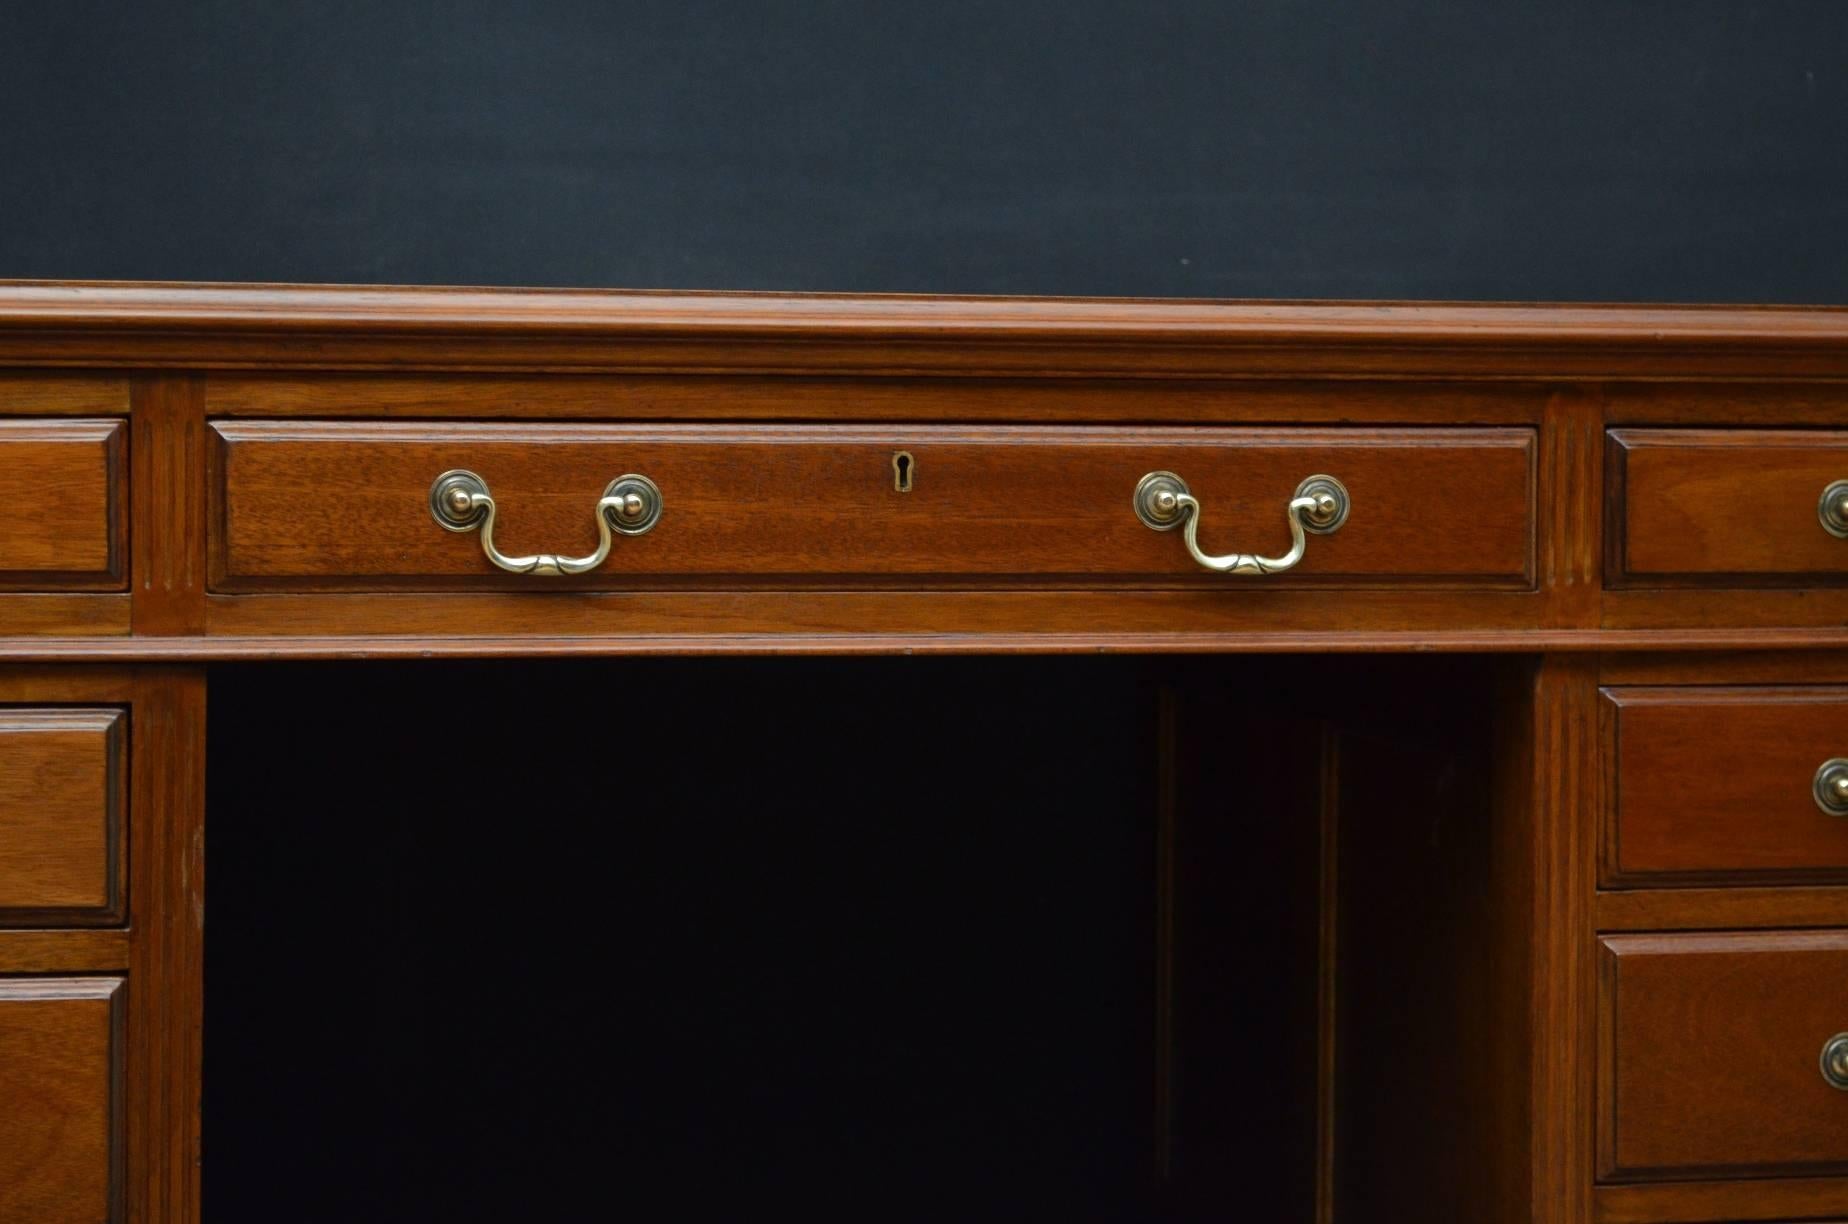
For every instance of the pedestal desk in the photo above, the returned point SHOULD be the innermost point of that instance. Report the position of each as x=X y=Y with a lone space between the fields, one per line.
x=920 y=757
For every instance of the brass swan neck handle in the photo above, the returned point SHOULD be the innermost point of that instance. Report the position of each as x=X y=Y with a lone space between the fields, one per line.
x=1320 y=505
x=460 y=501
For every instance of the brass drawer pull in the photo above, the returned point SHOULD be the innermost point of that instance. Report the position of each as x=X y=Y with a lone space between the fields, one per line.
x=1832 y=509
x=1831 y=786
x=1320 y=505
x=1835 y=1061
x=460 y=501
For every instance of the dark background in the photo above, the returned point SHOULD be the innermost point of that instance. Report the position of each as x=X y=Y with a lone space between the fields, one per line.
x=1677 y=150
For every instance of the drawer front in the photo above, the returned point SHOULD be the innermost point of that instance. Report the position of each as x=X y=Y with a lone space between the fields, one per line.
x=319 y=505
x=1721 y=783
x=61 y=809
x=1711 y=1056
x=60 y=1080
x=66 y=526
x=1725 y=507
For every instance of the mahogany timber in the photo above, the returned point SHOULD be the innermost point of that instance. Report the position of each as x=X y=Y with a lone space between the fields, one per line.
x=1567 y=372
x=157 y=362
x=1724 y=507
x=1715 y=783
x=61 y=815
x=1710 y=1047
x=193 y=326
x=316 y=504
x=167 y=955
x=60 y=1078
x=1814 y=1200
x=169 y=499
x=1669 y=909
x=66 y=525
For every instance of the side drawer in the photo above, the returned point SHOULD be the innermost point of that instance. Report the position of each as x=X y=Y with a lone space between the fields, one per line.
x=330 y=505
x=1711 y=1055
x=61 y=1053
x=67 y=526
x=1721 y=784
x=62 y=779
x=1724 y=507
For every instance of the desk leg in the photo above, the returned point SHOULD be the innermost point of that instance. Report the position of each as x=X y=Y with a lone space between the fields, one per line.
x=166 y=950
x=1549 y=779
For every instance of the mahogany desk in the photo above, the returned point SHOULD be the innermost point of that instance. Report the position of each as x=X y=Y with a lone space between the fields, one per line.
x=1479 y=786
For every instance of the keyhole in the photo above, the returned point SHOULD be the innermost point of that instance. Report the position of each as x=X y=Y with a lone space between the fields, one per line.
x=903 y=466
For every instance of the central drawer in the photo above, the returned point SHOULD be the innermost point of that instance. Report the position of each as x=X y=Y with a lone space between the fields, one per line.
x=319 y=505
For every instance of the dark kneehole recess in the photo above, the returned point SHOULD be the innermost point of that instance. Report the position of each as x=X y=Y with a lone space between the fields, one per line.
x=863 y=938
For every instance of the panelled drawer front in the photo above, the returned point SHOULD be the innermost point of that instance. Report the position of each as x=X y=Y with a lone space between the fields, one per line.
x=1711 y=1055
x=1719 y=783
x=66 y=523
x=320 y=505
x=61 y=1054
x=61 y=816
x=1724 y=507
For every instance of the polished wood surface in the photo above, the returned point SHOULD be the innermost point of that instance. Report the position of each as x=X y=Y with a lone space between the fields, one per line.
x=1605 y=853
x=60 y=1078
x=1714 y=783
x=68 y=527
x=267 y=355
x=194 y=326
x=62 y=787
x=1724 y=506
x=1813 y=1200
x=1710 y=1054
x=319 y=505
x=170 y=493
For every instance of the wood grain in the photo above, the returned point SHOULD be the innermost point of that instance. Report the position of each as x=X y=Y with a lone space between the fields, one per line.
x=1793 y=666
x=328 y=327
x=1724 y=506
x=1570 y=476
x=1710 y=1046
x=169 y=500
x=81 y=951
x=62 y=780
x=1669 y=909
x=772 y=420
x=1819 y=610
x=60 y=1077
x=66 y=528
x=913 y=400
x=1714 y=783
x=1547 y=787
x=166 y=1020
x=322 y=505
x=275 y=630
x=62 y=395
x=1813 y=1200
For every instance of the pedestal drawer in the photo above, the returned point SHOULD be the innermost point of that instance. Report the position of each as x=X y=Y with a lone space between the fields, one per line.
x=1728 y=507
x=61 y=816
x=66 y=523
x=1724 y=1055
x=1728 y=784
x=61 y=1056
x=325 y=505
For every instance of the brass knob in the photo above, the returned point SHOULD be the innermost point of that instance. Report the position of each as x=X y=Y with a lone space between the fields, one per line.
x=1832 y=509
x=1831 y=786
x=1835 y=1061
x=460 y=501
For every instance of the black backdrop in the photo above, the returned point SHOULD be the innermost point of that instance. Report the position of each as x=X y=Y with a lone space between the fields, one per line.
x=1605 y=149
